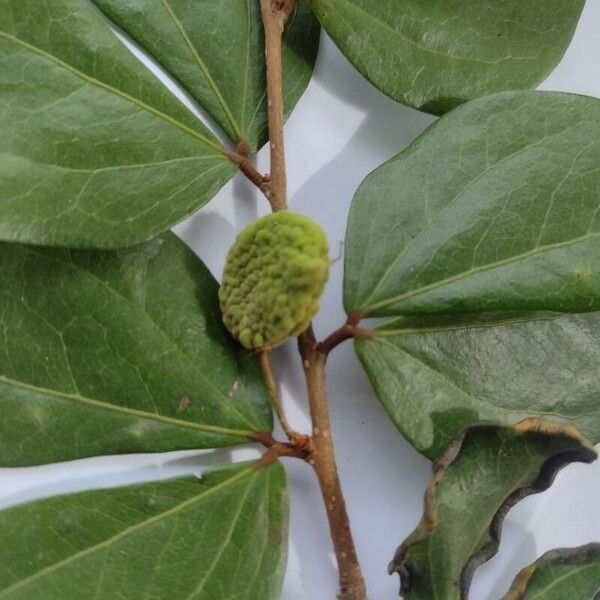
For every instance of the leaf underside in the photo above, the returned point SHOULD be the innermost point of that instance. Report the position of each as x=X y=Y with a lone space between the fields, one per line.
x=215 y=50
x=483 y=474
x=436 y=55
x=435 y=375
x=118 y=352
x=214 y=539
x=572 y=573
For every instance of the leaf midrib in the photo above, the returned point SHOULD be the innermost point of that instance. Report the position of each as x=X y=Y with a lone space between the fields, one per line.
x=523 y=483
x=202 y=66
x=384 y=331
x=470 y=398
x=113 y=168
x=113 y=90
x=125 y=410
x=217 y=555
x=561 y=579
x=247 y=66
x=138 y=308
x=483 y=537
x=266 y=539
x=481 y=269
x=452 y=201
x=129 y=530
x=474 y=401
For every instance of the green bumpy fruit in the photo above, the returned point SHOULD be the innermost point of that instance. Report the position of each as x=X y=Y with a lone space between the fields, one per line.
x=274 y=276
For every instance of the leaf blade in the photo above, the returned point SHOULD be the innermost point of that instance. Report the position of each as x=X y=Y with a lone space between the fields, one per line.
x=78 y=537
x=119 y=352
x=434 y=57
x=446 y=245
x=97 y=152
x=187 y=39
x=436 y=375
x=486 y=471
x=572 y=571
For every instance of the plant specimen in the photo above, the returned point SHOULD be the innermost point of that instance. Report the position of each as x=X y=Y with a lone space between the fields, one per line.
x=477 y=249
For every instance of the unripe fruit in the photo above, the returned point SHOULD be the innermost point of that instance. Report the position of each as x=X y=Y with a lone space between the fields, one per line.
x=274 y=276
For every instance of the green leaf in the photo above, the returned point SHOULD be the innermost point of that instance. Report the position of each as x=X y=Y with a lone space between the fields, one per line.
x=434 y=375
x=216 y=50
x=493 y=210
x=95 y=151
x=214 y=539
x=572 y=573
x=485 y=472
x=495 y=207
x=118 y=352
x=435 y=55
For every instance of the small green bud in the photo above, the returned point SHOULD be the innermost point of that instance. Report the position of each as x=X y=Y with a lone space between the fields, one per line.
x=274 y=276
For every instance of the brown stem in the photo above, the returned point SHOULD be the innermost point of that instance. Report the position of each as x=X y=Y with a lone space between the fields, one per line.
x=318 y=448
x=249 y=170
x=241 y=157
x=348 y=330
x=274 y=15
x=322 y=458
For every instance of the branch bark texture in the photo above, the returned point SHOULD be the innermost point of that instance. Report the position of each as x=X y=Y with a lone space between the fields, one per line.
x=275 y=14
x=322 y=458
x=319 y=448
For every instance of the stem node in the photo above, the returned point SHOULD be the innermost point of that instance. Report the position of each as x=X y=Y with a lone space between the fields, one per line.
x=318 y=449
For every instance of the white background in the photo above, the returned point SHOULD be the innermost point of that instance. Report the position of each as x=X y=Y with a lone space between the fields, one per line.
x=341 y=130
